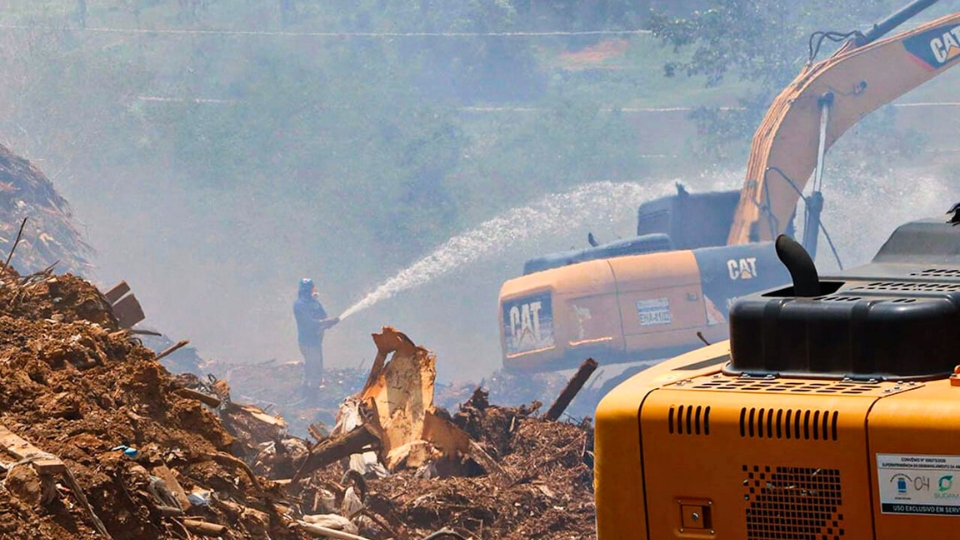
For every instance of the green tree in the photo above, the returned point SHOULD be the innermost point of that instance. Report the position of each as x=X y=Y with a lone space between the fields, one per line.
x=764 y=43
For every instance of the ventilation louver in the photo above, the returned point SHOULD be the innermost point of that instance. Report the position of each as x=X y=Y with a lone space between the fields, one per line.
x=903 y=286
x=782 y=385
x=800 y=424
x=937 y=272
x=689 y=420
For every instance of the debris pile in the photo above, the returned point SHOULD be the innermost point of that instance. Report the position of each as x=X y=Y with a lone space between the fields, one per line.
x=535 y=480
x=274 y=385
x=98 y=440
x=49 y=235
x=397 y=466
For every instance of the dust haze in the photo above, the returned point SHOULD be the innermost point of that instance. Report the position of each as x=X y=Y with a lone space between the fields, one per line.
x=213 y=228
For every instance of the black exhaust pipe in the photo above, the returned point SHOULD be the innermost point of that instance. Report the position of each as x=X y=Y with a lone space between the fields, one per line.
x=806 y=281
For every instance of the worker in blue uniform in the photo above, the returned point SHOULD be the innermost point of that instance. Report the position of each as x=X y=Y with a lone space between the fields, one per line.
x=312 y=321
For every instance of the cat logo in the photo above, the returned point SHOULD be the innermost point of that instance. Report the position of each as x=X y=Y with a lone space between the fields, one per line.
x=742 y=268
x=525 y=322
x=935 y=48
x=528 y=324
x=947 y=46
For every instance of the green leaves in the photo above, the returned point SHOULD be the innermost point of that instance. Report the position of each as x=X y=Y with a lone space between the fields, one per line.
x=764 y=42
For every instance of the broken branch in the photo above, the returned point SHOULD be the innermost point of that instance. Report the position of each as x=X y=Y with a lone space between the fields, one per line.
x=323 y=532
x=204 y=528
x=572 y=389
x=337 y=448
x=227 y=459
x=172 y=349
x=206 y=399
x=14 y=248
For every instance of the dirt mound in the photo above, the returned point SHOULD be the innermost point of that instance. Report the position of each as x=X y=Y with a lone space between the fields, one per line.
x=75 y=386
x=49 y=235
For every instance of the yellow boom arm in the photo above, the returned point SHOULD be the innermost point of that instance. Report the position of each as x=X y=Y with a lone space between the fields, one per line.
x=858 y=79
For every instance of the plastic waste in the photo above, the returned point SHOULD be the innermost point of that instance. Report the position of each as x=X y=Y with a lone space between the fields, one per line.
x=200 y=497
x=127 y=451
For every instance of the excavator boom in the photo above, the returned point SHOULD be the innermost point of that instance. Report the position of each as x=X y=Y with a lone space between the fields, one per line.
x=856 y=80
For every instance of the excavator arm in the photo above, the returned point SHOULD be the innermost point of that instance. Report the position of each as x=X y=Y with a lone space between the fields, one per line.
x=820 y=105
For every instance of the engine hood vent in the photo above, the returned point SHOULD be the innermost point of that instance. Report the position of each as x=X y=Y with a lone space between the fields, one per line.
x=689 y=420
x=896 y=318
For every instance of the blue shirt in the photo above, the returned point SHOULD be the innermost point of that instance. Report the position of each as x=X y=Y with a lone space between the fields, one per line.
x=309 y=312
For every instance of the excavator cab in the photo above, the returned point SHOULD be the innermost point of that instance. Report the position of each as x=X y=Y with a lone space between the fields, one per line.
x=691 y=220
x=681 y=221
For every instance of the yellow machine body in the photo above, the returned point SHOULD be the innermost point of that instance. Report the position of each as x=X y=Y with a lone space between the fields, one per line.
x=835 y=416
x=561 y=316
x=697 y=454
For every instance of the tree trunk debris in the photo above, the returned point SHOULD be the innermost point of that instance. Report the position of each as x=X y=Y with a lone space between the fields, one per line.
x=573 y=388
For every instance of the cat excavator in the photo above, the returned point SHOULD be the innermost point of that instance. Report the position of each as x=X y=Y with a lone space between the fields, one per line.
x=830 y=410
x=669 y=289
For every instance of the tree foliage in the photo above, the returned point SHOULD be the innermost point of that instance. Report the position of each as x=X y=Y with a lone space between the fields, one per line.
x=763 y=42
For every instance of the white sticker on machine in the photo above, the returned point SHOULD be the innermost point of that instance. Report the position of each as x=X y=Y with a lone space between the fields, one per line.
x=919 y=484
x=654 y=312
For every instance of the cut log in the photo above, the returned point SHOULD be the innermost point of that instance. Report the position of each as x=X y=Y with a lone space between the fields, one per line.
x=572 y=389
x=317 y=531
x=206 y=399
x=204 y=528
x=337 y=448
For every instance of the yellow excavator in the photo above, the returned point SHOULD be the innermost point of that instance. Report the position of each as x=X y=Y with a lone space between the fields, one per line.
x=832 y=412
x=669 y=290
x=829 y=410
